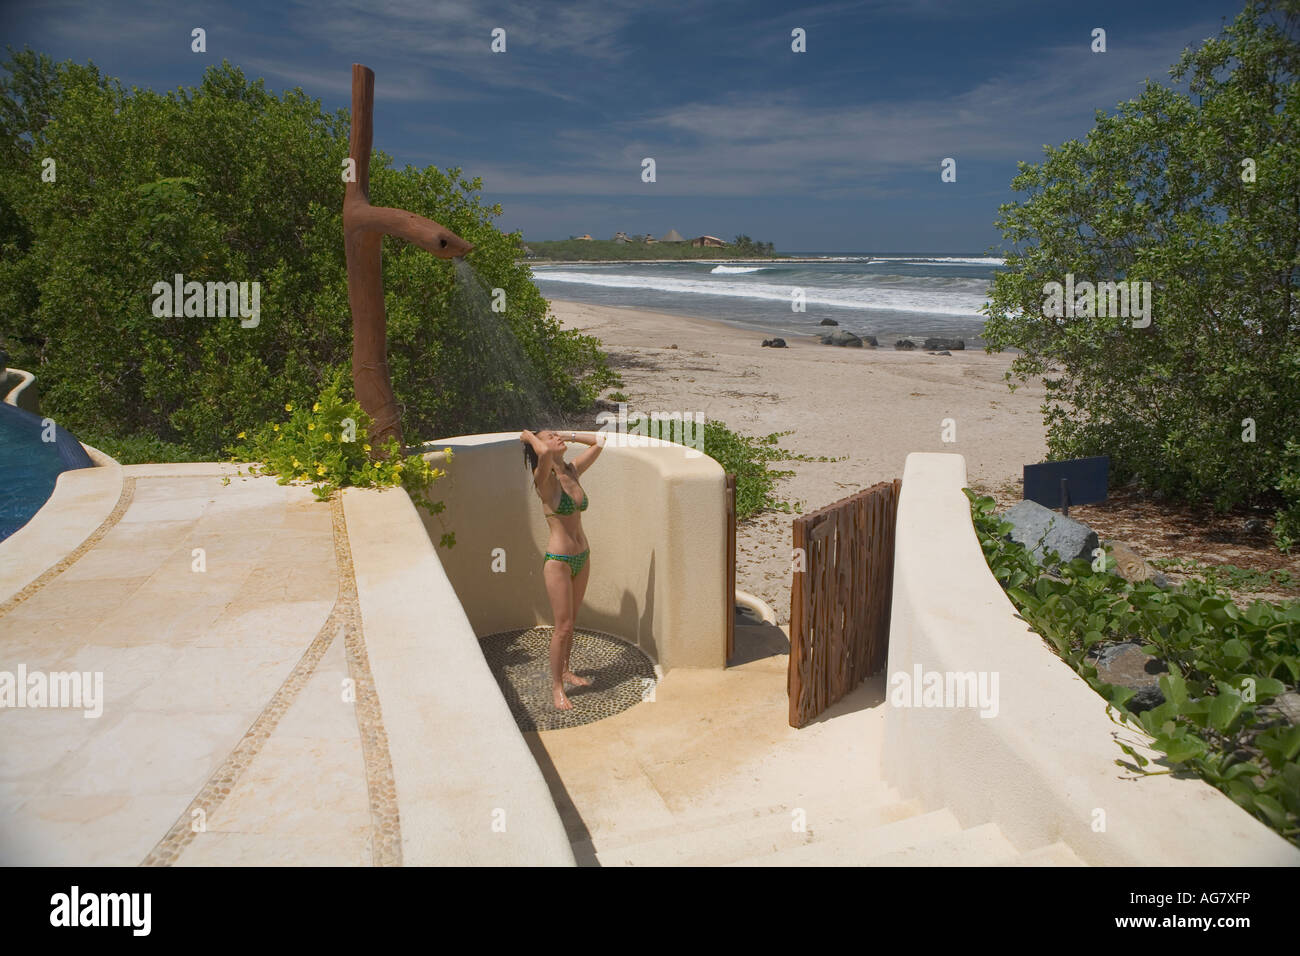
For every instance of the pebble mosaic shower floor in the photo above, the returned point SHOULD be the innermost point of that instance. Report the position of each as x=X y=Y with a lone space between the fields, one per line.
x=620 y=676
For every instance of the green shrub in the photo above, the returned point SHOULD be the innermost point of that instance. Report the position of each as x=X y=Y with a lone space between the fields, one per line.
x=747 y=457
x=325 y=445
x=1224 y=662
x=1286 y=531
x=139 y=449
x=1157 y=193
x=228 y=182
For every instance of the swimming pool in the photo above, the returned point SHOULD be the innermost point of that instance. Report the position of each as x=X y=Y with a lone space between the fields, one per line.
x=29 y=465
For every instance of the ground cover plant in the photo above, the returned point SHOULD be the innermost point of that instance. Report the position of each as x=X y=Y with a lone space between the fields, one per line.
x=1226 y=666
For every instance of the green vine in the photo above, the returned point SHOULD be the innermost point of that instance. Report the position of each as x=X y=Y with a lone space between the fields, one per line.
x=1225 y=663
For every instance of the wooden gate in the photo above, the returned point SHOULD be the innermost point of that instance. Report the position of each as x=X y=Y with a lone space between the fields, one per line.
x=840 y=601
x=729 y=577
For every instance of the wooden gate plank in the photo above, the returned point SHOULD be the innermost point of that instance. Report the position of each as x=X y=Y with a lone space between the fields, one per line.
x=840 y=603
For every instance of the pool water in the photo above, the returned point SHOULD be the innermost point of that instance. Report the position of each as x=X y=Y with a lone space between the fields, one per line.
x=30 y=465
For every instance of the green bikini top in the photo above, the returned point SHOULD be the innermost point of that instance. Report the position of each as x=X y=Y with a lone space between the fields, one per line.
x=566 y=506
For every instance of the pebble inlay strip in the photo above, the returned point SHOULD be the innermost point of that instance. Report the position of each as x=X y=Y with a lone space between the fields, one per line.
x=213 y=793
x=49 y=574
x=344 y=621
x=621 y=676
x=381 y=785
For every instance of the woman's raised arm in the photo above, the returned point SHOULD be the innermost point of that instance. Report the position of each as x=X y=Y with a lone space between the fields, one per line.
x=545 y=456
x=595 y=439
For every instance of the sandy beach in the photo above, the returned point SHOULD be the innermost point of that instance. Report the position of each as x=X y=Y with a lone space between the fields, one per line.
x=866 y=407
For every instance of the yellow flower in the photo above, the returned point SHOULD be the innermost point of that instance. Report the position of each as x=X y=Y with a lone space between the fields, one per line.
x=316 y=407
x=302 y=477
x=366 y=447
x=275 y=428
x=320 y=469
x=240 y=435
x=329 y=437
x=311 y=426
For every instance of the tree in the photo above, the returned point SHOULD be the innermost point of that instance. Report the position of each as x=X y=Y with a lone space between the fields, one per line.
x=229 y=182
x=1196 y=191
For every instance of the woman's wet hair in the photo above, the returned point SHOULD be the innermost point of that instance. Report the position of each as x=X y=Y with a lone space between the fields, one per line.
x=530 y=454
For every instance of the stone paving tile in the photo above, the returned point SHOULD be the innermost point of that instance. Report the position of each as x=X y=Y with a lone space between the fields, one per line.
x=36 y=641
x=257 y=624
x=105 y=594
x=320 y=710
x=146 y=533
x=120 y=561
x=106 y=828
x=270 y=795
x=127 y=670
x=338 y=847
x=170 y=509
x=215 y=678
x=212 y=696
x=151 y=752
x=179 y=576
x=35 y=742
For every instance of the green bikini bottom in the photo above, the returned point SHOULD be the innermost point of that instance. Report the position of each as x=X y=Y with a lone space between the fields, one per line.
x=574 y=561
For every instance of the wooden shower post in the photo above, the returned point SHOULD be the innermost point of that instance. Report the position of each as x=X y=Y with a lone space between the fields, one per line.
x=364 y=228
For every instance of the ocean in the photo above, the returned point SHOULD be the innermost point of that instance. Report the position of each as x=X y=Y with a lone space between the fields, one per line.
x=889 y=296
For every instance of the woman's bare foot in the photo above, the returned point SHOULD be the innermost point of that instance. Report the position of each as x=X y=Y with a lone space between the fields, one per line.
x=562 y=702
x=572 y=678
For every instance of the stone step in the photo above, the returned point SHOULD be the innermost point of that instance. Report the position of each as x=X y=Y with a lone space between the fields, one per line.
x=754 y=836
x=818 y=806
x=983 y=845
x=848 y=845
x=1054 y=854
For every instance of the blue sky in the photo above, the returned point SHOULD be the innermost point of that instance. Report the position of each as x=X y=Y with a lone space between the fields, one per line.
x=835 y=149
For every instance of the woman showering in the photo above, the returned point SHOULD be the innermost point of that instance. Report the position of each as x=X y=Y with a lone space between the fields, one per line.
x=566 y=564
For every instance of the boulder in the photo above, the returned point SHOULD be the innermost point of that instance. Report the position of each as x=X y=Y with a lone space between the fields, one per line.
x=1041 y=529
x=828 y=322
x=774 y=343
x=904 y=344
x=1283 y=707
x=870 y=340
x=1127 y=665
x=842 y=337
x=1132 y=567
x=944 y=352
x=936 y=344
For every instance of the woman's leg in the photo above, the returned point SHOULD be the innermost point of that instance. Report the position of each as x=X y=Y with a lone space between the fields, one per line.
x=579 y=590
x=559 y=589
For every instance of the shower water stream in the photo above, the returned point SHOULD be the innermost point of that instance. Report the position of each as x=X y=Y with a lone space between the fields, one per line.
x=508 y=391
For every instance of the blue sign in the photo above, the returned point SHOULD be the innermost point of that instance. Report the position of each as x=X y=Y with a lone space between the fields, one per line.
x=1059 y=484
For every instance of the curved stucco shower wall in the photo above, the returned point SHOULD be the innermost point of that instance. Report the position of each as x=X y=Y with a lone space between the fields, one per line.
x=656 y=526
x=1043 y=768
